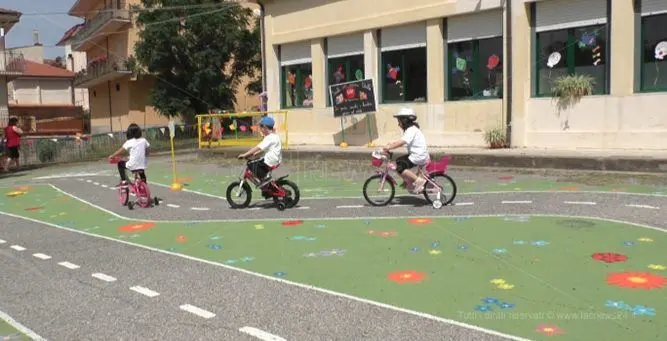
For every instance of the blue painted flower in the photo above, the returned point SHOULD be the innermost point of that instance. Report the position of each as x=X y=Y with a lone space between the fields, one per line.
x=298 y=238
x=414 y=249
x=171 y=249
x=280 y=274
x=483 y=308
x=639 y=310
x=540 y=243
x=519 y=242
x=490 y=300
x=214 y=246
x=246 y=259
x=628 y=243
x=435 y=244
x=505 y=305
x=616 y=304
x=499 y=251
x=310 y=239
x=462 y=247
x=460 y=219
x=367 y=222
x=320 y=226
x=231 y=261
x=215 y=237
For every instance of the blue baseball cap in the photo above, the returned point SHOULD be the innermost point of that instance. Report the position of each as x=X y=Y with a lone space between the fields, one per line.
x=267 y=122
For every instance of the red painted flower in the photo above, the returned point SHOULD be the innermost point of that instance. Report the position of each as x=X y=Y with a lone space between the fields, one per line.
x=34 y=208
x=136 y=227
x=181 y=239
x=636 y=280
x=420 y=221
x=409 y=276
x=292 y=222
x=609 y=257
x=505 y=178
x=549 y=330
x=389 y=234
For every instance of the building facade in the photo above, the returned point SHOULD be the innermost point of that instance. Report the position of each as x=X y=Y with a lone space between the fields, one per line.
x=468 y=66
x=11 y=65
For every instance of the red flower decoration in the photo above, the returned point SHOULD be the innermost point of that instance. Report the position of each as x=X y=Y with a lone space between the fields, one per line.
x=181 y=239
x=292 y=222
x=136 y=227
x=420 y=221
x=636 y=280
x=609 y=257
x=505 y=178
x=383 y=233
x=549 y=330
x=409 y=276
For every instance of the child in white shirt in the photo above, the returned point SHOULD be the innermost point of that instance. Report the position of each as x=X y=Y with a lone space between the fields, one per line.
x=415 y=142
x=137 y=147
x=272 y=148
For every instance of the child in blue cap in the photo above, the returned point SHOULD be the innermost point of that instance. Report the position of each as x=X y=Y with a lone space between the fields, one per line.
x=272 y=148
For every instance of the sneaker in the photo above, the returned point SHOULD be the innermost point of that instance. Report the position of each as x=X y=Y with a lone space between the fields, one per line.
x=419 y=185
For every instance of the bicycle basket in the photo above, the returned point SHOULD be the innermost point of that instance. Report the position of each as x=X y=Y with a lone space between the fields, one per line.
x=376 y=159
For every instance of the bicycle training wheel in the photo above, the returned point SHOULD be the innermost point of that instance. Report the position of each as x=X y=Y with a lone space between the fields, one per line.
x=374 y=190
x=293 y=194
x=239 y=196
x=447 y=192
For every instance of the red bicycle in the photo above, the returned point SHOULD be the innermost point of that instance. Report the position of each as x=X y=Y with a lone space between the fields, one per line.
x=285 y=193
x=138 y=188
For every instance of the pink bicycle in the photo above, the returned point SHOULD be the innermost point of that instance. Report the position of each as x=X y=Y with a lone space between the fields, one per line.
x=139 y=188
x=437 y=182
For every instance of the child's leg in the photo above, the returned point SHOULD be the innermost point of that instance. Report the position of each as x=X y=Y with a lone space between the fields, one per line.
x=121 y=170
x=403 y=166
x=142 y=175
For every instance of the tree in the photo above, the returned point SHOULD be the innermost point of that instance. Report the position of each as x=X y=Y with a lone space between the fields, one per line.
x=198 y=53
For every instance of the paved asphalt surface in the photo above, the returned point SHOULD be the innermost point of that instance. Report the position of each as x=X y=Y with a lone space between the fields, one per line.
x=61 y=303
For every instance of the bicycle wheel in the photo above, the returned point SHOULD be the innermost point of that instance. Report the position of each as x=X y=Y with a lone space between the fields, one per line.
x=387 y=188
x=236 y=191
x=143 y=195
x=124 y=195
x=293 y=194
x=448 y=192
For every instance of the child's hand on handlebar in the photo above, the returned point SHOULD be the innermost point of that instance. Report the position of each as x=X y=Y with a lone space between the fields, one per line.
x=241 y=156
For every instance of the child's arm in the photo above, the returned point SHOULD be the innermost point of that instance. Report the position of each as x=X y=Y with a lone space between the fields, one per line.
x=117 y=153
x=17 y=130
x=394 y=145
x=253 y=151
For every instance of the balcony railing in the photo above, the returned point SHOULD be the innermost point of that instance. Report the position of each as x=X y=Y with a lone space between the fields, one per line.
x=102 y=69
x=11 y=63
x=104 y=16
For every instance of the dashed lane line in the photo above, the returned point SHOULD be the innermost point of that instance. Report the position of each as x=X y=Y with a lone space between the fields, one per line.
x=643 y=206
x=69 y=265
x=17 y=247
x=350 y=206
x=260 y=334
x=579 y=203
x=104 y=277
x=199 y=208
x=2 y=241
x=197 y=311
x=516 y=202
x=173 y=206
x=145 y=291
x=41 y=256
x=464 y=204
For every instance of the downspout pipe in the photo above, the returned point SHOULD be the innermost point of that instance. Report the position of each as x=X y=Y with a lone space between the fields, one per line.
x=262 y=40
x=508 y=38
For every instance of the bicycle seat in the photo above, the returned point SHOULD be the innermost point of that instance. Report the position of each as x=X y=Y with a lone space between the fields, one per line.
x=439 y=166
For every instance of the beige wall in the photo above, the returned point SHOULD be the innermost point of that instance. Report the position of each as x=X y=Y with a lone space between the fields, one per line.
x=41 y=91
x=31 y=53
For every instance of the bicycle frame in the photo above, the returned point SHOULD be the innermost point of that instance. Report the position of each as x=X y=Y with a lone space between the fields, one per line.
x=272 y=188
x=389 y=167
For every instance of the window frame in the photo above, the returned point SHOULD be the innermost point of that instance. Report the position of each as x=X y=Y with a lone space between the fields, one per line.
x=383 y=70
x=642 y=54
x=299 y=97
x=476 y=81
x=348 y=68
x=570 y=58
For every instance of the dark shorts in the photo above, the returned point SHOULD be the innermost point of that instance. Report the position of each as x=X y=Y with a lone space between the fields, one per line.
x=259 y=168
x=12 y=152
x=403 y=163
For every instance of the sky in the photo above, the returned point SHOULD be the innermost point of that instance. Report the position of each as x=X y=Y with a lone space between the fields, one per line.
x=40 y=15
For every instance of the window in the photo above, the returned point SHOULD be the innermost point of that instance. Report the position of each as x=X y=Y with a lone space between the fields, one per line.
x=580 y=51
x=476 y=69
x=297 y=86
x=404 y=74
x=345 y=69
x=654 y=53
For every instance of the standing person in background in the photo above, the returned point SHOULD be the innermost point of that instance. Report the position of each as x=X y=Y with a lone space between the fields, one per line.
x=12 y=137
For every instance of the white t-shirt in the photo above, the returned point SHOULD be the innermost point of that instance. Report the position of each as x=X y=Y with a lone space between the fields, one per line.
x=137 y=150
x=416 y=144
x=272 y=148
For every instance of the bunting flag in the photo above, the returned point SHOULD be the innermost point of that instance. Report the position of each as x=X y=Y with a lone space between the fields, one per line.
x=232 y=127
x=54 y=140
x=162 y=130
x=254 y=128
x=110 y=135
x=182 y=128
x=243 y=128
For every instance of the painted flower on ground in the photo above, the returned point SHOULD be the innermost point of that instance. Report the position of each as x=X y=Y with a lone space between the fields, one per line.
x=214 y=246
x=483 y=308
x=505 y=286
x=181 y=239
x=320 y=226
x=497 y=281
x=409 y=276
x=280 y=274
x=616 y=304
x=489 y=300
x=639 y=310
x=505 y=305
x=14 y=194
x=231 y=261
x=628 y=243
x=549 y=330
x=636 y=280
x=499 y=251
x=657 y=267
x=645 y=240
x=292 y=222
x=462 y=247
x=540 y=243
x=520 y=242
x=259 y=227
x=246 y=259
x=414 y=249
x=609 y=257
x=434 y=252
x=435 y=244
x=420 y=221
x=136 y=227
x=505 y=178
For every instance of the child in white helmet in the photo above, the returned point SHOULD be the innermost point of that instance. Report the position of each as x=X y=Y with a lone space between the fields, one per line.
x=415 y=142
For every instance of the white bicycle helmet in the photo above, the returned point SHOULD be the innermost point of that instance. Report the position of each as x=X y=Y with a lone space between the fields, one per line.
x=406 y=113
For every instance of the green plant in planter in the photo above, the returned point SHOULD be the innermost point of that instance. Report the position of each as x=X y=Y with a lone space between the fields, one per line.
x=568 y=90
x=495 y=138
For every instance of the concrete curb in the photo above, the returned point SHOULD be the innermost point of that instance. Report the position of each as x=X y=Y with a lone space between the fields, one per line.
x=609 y=163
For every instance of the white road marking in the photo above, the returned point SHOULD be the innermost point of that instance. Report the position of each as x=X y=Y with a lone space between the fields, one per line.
x=464 y=203
x=2 y=241
x=400 y=205
x=17 y=247
x=89 y=181
x=517 y=202
x=96 y=183
x=105 y=186
x=303 y=208
x=254 y=209
x=69 y=265
x=104 y=277
x=350 y=206
x=260 y=334
x=197 y=311
x=23 y=329
x=321 y=290
x=199 y=208
x=643 y=206
x=41 y=256
x=579 y=202
x=80 y=179
x=173 y=206
x=145 y=291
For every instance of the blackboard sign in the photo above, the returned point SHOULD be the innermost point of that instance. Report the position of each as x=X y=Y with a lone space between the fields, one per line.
x=352 y=98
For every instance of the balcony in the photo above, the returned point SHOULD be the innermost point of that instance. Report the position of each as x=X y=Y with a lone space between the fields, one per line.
x=107 y=21
x=102 y=70
x=11 y=64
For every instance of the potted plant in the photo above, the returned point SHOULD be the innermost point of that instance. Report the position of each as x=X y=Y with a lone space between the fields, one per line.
x=495 y=138
x=568 y=90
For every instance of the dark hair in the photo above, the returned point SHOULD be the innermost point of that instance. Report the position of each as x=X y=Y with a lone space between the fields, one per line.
x=13 y=121
x=133 y=131
x=407 y=123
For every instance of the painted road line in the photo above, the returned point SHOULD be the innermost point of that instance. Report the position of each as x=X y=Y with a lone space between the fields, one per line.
x=643 y=206
x=17 y=247
x=580 y=202
x=89 y=181
x=145 y=291
x=197 y=311
x=199 y=208
x=69 y=265
x=23 y=329
x=173 y=206
x=260 y=334
x=400 y=205
x=80 y=179
x=350 y=206
x=517 y=202
x=464 y=203
x=41 y=256
x=104 y=277
x=254 y=209
x=104 y=186
x=2 y=241
x=96 y=183
x=303 y=208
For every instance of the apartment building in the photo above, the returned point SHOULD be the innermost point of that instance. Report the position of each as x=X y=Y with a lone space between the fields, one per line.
x=11 y=65
x=467 y=66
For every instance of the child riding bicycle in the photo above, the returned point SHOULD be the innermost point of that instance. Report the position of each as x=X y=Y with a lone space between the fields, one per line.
x=272 y=148
x=415 y=142
x=138 y=147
